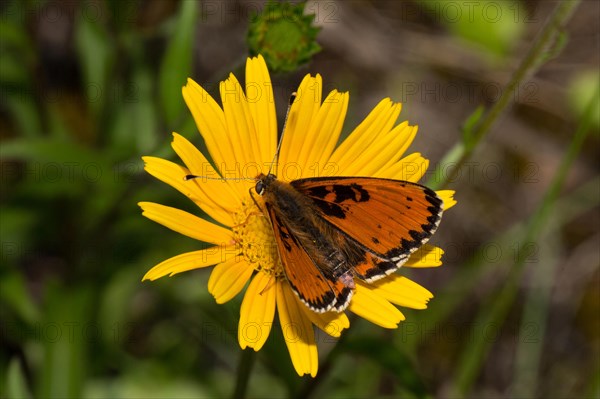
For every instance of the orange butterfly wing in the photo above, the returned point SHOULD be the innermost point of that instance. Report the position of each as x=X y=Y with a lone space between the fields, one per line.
x=389 y=218
x=319 y=292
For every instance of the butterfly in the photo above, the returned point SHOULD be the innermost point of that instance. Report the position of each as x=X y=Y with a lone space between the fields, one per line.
x=330 y=231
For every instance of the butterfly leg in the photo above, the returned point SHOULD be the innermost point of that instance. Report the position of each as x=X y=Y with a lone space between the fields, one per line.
x=269 y=284
x=245 y=222
x=261 y=213
x=255 y=202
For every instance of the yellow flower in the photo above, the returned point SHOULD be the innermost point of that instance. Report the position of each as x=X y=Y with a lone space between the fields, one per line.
x=241 y=140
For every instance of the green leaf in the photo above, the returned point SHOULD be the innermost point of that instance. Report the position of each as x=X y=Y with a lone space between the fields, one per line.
x=11 y=67
x=145 y=113
x=58 y=169
x=16 y=385
x=17 y=50
x=114 y=306
x=18 y=58
x=132 y=129
x=494 y=26
x=15 y=228
x=14 y=293
x=14 y=34
x=49 y=150
x=583 y=90
x=96 y=54
x=23 y=110
x=177 y=62
x=68 y=330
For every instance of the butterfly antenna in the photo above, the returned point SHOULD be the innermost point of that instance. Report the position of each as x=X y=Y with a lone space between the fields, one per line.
x=275 y=160
x=192 y=177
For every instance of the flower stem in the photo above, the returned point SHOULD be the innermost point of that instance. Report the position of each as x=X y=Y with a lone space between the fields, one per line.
x=247 y=359
x=535 y=58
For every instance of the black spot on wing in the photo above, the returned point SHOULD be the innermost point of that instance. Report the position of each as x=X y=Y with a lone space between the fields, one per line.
x=318 y=192
x=354 y=192
x=434 y=210
x=330 y=209
x=343 y=298
x=342 y=193
x=320 y=304
x=418 y=236
x=324 y=301
x=428 y=228
x=386 y=266
x=382 y=268
x=405 y=248
x=432 y=198
x=375 y=240
x=408 y=246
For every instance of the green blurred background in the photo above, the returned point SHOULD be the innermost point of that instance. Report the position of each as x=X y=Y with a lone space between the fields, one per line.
x=87 y=88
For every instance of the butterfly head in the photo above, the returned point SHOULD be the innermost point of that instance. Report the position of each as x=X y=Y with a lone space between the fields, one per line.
x=262 y=182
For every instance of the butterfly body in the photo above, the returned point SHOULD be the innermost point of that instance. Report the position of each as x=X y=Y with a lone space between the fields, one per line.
x=330 y=231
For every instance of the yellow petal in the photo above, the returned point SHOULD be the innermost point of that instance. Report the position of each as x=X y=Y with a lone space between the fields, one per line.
x=373 y=307
x=240 y=126
x=426 y=256
x=173 y=175
x=187 y=224
x=257 y=311
x=411 y=168
x=402 y=291
x=297 y=331
x=259 y=93
x=218 y=193
x=379 y=122
x=303 y=110
x=228 y=279
x=324 y=133
x=400 y=139
x=448 y=197
x=210 y=120
x=377 y=155
x=332 y=323
x=190 y=261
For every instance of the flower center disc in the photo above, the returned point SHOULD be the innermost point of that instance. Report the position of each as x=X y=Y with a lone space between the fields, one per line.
x=254 y=237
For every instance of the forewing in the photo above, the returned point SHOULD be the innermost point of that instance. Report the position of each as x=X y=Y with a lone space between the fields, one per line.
x=390 y=218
